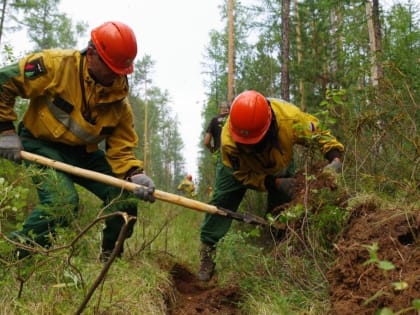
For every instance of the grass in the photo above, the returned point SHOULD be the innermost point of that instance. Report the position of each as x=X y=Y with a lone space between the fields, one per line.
x=285 y=279
x=129 y=286
x=278 y=282
x=140 y=283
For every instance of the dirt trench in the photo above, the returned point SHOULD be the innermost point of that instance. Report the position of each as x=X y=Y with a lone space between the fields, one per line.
x=192 y=297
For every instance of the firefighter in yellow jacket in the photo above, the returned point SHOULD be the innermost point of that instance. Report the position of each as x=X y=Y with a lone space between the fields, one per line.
x=77 y=100
x=256 y=153
x=187 y=187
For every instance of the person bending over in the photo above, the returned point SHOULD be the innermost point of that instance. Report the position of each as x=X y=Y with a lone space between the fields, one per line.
x=256 y=153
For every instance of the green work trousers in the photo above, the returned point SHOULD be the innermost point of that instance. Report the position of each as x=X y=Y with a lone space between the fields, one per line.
x=228 y=193
x=58 y=197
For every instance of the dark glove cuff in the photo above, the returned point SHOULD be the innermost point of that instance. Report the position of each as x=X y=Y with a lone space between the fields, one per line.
x=270 y=182
x=6 y=125
x=332 y=154
x=133 y=171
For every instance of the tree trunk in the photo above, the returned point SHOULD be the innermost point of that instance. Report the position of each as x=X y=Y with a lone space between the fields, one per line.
x=374 y=30
x=146 y=136
x=378 y=39
x=231 y=48
x=335 y=45
x=3 y=14
x=299 y=55
x=285 y=50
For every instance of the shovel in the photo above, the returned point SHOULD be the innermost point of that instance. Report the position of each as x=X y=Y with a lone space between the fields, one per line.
x=158 y=194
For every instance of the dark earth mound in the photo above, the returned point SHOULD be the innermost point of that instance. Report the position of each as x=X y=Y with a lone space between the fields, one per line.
x=360 y=288
x=356 y=286
x=195 y=297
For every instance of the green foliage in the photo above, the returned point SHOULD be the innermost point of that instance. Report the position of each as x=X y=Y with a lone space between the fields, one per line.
x=13 y=197
x=237 y=247
x=381 y=264
x=401 y=42
x=398 y=286
x=274 y=284
x=8 y=55
x=334 y=99
x=66 y=272
x=379 y=127
x=329 y=222
x=388 y=311
x=18 y=195
x=46 y=26
x=290 y=214
x=61 y=287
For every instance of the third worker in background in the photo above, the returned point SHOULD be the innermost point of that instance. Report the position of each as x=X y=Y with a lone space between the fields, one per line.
x=214 y=129
x=256 y=150
x=187 y=187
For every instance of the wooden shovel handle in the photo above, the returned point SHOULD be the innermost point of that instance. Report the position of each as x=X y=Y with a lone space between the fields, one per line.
x=113 y=181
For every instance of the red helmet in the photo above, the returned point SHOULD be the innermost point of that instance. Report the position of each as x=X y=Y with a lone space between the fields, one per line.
x=116 y=45
x=250 y=117
x=189 y=177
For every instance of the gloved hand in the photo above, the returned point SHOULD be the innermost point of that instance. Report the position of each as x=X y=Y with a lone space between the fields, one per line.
x=335 y=166
x=10 y=146
x=286 y=186
x=146 y=189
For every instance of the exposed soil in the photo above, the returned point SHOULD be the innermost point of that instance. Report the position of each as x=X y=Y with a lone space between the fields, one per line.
x=359 y=288
x=195 y=297
x=356 y=287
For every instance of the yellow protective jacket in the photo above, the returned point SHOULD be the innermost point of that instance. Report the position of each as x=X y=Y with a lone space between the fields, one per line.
x=59 y=111
x=187 y=187
x=294 y=127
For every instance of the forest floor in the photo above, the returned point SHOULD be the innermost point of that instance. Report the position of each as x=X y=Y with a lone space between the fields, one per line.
x=193 y=296
x=359 y=288
x=355 y=286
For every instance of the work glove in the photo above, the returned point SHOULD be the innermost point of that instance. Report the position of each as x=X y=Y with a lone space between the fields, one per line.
x=335 y=166
x=10 y=147
x=146 y=187
x=286 y=186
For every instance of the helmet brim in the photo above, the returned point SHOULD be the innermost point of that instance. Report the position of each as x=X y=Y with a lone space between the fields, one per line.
x=246 y=139
x=120 y=71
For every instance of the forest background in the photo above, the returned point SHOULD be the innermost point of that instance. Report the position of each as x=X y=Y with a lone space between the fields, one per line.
x=353 y=64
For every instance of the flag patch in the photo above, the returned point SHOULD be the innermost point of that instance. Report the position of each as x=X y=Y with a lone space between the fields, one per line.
x=35 y=68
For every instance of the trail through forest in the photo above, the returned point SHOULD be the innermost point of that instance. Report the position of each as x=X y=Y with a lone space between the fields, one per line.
x=390 y=236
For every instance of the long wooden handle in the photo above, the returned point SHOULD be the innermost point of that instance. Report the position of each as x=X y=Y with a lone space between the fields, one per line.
x=113 y=181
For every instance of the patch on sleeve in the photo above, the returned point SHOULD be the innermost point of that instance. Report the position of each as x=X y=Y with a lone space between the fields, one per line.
x=35 y=68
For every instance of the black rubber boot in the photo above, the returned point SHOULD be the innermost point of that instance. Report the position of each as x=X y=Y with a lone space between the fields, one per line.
x=107 y=249
x=207 y=267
